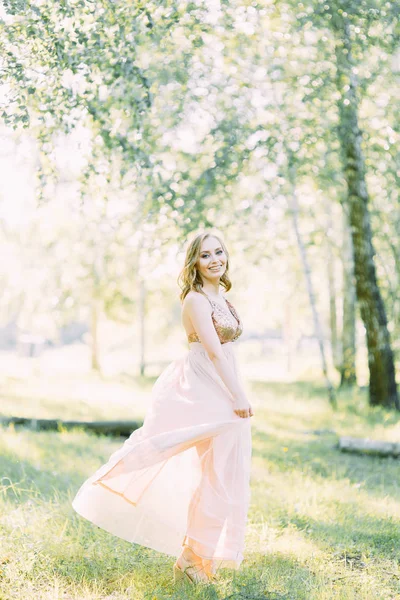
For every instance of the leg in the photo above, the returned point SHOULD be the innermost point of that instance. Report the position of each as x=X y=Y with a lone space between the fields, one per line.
x=188 y=560
x=197 y=518
x=218 y=509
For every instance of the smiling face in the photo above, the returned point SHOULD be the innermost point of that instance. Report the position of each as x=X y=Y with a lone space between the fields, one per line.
x=212 y=260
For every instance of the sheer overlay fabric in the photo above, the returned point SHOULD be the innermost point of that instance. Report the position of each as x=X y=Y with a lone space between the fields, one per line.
x=184 y=476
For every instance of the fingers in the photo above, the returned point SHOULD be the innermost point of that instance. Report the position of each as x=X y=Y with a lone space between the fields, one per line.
x=243 y=413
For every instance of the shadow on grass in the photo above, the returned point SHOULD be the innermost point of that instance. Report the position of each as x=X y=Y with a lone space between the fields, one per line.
x=348 y=523
x=141 y=570
x=321 y=458
x=57 y=463
x=371 y=536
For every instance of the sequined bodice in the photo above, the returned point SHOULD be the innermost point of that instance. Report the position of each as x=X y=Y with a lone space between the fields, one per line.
x=224 y=325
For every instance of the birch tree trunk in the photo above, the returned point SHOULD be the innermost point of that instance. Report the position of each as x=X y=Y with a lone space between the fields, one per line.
x=382 y=384
x=348 y=363
x=330 y=263
x=294 y=209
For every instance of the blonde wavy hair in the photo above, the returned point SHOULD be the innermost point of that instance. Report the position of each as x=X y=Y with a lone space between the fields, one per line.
x=189 y=278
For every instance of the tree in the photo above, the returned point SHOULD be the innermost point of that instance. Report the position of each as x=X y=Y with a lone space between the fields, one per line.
x=383 y=388
x=351 y=30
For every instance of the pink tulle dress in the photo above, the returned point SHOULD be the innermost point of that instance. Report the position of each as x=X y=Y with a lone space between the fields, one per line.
x=184 y=476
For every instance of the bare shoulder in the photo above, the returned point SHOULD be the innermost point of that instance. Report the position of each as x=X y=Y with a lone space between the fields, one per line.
x=195 y=300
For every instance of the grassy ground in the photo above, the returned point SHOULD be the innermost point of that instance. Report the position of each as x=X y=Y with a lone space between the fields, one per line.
x=322 y=524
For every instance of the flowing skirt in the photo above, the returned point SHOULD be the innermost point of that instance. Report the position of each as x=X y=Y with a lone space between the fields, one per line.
x=184 y=476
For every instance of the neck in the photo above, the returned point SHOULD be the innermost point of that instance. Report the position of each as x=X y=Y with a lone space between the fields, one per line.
x=212 y=289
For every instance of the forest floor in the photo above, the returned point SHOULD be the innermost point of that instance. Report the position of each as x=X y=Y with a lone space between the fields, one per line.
x=322 y=524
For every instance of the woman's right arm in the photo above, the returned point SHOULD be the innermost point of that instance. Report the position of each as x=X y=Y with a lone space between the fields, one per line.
x=198 y=310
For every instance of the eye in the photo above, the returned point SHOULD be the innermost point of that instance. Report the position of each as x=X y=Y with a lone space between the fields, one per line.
x=207 y=254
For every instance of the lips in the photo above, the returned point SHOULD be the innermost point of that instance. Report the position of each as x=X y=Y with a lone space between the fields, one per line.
x=214 y=268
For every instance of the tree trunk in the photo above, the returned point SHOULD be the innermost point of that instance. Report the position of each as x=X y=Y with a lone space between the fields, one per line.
x=117 y=428
x=348 y=363
x=382 y=385
x=330 y=264
x=365 y=446
x=310 y=289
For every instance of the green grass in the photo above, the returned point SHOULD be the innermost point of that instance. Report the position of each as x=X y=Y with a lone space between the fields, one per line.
x=322 y=524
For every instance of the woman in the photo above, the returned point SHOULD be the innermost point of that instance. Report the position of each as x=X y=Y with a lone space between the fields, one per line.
x=180 y=483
